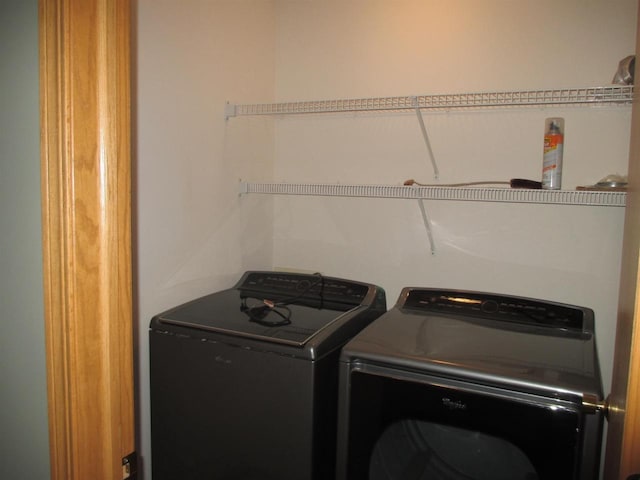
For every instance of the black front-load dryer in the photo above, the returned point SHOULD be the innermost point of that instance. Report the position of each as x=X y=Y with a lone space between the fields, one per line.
x=244 y=381
x=459 y=385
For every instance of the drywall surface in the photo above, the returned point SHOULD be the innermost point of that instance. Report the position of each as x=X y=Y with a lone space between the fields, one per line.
x=24 y=447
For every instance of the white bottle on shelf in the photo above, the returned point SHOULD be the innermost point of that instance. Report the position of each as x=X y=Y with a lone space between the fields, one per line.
x=553 y=149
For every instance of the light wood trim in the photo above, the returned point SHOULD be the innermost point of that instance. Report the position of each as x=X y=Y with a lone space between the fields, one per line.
x=630 y=454
x=623 y=439
x=85 y=149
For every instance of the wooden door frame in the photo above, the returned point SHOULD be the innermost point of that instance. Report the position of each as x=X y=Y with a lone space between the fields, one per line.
x=86 y=215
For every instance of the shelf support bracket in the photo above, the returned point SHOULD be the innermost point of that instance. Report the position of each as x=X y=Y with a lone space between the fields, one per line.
x=229 y=110
x=425 y=135
x=427 y=226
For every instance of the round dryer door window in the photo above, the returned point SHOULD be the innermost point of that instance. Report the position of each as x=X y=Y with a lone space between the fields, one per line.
x=419 y=450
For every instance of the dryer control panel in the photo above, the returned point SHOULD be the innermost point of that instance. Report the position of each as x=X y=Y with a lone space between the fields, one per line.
x=499 y=307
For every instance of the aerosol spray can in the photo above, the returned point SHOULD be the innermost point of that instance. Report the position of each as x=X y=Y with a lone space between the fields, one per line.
x=553 y=147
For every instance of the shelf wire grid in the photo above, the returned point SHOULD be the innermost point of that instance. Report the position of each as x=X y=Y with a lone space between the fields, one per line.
x=606 y=95
x=475 y=194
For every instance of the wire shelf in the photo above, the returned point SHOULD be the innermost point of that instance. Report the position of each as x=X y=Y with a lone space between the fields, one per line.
x=606 y=95
x=475 y=194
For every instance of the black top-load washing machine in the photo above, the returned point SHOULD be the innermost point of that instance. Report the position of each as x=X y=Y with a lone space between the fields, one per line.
x=459 y=385
x=244 y=381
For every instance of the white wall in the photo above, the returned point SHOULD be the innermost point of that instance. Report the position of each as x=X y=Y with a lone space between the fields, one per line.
x=195 y=235
x=24 y=443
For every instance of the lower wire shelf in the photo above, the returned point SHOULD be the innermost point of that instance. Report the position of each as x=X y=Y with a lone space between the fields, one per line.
x=474 y=194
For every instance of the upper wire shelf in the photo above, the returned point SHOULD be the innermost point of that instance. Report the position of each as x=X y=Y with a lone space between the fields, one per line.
x=606 y=95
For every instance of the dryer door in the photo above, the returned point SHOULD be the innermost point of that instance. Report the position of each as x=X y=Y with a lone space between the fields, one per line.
x=430 y=428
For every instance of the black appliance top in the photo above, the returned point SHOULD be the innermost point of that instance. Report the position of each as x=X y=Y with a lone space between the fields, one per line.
x=499 y=340
x=277 y=307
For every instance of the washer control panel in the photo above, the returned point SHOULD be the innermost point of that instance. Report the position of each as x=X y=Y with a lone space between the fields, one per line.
x=497 y=307
x=304 y=286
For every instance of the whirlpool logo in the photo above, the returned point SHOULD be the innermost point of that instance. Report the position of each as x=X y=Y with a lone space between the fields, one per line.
x=453 y=404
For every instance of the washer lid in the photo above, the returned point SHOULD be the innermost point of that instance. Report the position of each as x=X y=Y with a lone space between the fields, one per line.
x=483 y=348
x=232 y=313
